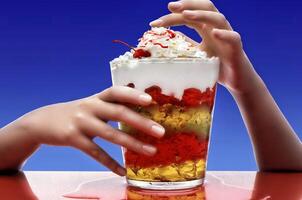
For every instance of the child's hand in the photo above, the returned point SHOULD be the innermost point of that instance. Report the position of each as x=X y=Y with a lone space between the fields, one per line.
x=236 y=72
x=76 y=123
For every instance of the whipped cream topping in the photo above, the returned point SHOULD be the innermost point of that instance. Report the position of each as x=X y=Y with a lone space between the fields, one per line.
x=174 y=64
x=162 y=42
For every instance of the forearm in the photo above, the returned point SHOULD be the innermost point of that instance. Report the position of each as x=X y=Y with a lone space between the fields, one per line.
x=16 y=146
x=275 y=143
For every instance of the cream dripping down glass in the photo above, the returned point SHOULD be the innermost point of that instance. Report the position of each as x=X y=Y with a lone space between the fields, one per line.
x=182 y=82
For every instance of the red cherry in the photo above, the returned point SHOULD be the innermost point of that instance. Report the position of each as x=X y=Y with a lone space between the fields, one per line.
x=140 y=53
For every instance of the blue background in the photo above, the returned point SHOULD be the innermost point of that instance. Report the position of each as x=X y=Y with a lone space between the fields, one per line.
x=55 y=51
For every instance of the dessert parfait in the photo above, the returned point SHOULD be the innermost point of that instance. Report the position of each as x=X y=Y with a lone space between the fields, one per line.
x=182 y=81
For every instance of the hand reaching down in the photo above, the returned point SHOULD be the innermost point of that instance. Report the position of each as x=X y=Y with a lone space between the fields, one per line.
x=76 y=123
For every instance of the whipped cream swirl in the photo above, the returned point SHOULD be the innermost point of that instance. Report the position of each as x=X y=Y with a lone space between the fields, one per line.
x=166 y=43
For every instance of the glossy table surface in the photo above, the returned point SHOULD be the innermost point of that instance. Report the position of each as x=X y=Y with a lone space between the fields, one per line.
x=107 y=186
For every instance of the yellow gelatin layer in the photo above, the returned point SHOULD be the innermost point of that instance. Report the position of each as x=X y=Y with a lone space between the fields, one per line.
x=189 y=170
x=176 y=118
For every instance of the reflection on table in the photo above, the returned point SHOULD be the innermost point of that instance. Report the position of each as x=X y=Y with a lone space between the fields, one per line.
x=15 y=187
x=106 y=186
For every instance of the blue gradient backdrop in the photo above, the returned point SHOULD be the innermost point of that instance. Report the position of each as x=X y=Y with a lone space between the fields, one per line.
x=54 y=51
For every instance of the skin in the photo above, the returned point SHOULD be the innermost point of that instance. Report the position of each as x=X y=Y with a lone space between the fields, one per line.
x=76 y=123
x=276 y=146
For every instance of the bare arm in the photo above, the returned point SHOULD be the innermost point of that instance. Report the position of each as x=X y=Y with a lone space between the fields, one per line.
x=15 y=146
x=276 y=146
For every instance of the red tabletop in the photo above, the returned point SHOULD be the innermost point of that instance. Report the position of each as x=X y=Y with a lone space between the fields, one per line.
x=107 y=186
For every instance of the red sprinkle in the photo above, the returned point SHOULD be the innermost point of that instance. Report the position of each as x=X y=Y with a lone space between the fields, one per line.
x=171 y=34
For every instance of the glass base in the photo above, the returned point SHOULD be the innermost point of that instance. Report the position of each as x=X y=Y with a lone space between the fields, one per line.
x=165 y=185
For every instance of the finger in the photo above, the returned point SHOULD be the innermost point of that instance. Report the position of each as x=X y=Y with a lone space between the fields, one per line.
x=95 y=127
x=188 y=39
x=195 y=19
x=125 y=94
x=120 y=113
x=229 y=37
x=179 y=6
x=93 y=150
x=214 y=19
x=174 y=19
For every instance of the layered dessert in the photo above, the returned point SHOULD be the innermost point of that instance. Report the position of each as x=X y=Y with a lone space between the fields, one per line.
x=181 y=80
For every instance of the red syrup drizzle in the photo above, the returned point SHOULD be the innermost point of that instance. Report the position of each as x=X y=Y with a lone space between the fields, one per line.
x=138 y=53
x=161 y=45
x=170 y=33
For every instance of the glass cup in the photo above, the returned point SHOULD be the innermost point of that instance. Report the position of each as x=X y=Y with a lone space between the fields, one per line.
x=183 y=93
x=197 y=193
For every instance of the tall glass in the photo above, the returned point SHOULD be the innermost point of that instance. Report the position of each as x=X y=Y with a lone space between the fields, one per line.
x=183 y=93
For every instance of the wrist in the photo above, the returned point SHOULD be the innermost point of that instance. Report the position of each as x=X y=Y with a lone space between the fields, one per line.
x=252 y=93
x=250 y=86
x=248 y=80
x=15 y=140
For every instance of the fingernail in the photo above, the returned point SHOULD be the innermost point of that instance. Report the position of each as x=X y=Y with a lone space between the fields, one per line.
x=175 y=5
x=214 y=31
x=189 y=13
x=160 y=131
x=157 y=22
x=149 y=149
x=145 y=98
x=121 y=171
